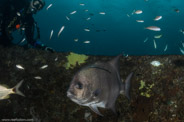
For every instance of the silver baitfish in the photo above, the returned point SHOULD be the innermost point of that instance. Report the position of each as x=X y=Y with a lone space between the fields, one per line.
x=5 y=92
x=99 y=85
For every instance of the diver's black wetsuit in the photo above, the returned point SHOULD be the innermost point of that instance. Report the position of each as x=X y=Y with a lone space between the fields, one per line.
x=14 y=16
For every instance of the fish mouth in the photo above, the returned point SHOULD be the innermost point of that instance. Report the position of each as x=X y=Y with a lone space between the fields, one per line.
x=73 y=98
x=69 y=94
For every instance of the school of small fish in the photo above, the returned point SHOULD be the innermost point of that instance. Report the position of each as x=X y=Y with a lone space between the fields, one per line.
x=165 y=48
x=81 y=4
x=158 y=18
x=23 y=40
x=20 y=67
x=155 y=45
x=102 y=13
x=157 y=36
x=146 y=40
x=49 y=6
x=67 y=18
x=61 y=30
x=86 y=29
x=76 y=40
x=153 y=28
x=18 y=13
x=135 y=12
x=56 y=58
x=182 y=51
x=44 y=66
x=38 y=77
x=155 y=63
x=51 y=33
x=86 y=42
x=73 y=12
x=140 y=21
x=88 y=18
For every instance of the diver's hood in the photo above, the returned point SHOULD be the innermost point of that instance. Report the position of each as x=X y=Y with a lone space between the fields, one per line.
x=36 y=5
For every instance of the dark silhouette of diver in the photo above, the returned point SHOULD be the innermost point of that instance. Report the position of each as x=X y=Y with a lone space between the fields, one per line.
x=18 y=15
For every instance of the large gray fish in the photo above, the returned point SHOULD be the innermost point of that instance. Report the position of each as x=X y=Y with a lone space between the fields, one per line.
x=99 y=85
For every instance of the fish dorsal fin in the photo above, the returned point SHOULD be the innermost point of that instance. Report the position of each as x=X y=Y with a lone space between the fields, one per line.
x=94 y=108
x=115 y=61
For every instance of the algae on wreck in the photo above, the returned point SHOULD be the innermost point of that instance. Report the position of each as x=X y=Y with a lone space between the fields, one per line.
x=73 y=59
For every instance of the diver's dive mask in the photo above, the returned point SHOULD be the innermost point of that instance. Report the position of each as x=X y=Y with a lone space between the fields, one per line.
x=36 y=5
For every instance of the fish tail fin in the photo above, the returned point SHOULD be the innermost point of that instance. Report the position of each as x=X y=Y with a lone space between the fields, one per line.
x=133 y=12
x=16 y=89
x=127 y=85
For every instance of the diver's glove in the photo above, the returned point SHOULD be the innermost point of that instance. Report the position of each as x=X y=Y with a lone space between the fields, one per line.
x=39 y=45
x=49 y=49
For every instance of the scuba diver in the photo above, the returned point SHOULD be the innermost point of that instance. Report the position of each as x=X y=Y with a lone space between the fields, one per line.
x=18 y=15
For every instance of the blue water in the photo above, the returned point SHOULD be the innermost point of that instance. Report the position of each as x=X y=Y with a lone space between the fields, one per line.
x=122 y=33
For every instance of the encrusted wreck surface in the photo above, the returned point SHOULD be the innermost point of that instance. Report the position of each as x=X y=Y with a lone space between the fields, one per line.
x=157 y=92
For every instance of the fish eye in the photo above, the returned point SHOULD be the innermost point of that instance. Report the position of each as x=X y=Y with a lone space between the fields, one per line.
x=79 y=85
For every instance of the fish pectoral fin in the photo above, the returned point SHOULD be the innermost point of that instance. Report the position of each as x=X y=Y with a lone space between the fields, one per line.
x=95 y=109
x=96 y=92
x=127 y=85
